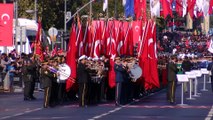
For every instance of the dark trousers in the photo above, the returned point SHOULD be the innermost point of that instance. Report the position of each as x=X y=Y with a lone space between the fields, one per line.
x=61 y=92
x=212 y=82
x=27 y=88
x=83 y=94
x=54 y=94
x=171 y=91
x=103 y=88
x=32 y=88
x=118 y=93
x=47 y=96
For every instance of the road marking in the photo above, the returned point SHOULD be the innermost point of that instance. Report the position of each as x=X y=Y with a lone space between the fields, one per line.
x=19 y=114
x=210 y=115
x=107 y=113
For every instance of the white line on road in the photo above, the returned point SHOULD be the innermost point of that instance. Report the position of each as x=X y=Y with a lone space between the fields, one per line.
x=19 y=114
x=209 y=116
x=118 y=108
x=107 y=113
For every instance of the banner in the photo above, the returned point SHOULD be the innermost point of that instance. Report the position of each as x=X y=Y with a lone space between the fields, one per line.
x=210 y=49
x=71 y=58
x=6 y=24
x=38 y=45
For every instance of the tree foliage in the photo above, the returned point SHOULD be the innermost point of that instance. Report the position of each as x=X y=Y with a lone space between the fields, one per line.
x=52 y=11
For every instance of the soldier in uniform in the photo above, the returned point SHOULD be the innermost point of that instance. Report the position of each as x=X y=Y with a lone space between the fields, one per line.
x=83 y=80
x=172 y=80
x=46 y=78
x=210 y=68
x=54 y=92
x=32 y=68
x=26 y=79
x=120 y=71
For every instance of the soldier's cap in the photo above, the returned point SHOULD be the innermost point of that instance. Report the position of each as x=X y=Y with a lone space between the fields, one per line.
x=117 y=58
x=44 y=62
x=165 y=37
x=82 y=57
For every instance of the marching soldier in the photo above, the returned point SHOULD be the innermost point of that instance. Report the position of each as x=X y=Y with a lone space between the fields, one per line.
x=33 y=72
x=46 y=78
x=83 y=80
x=119 y=73
x=26 y=77
x=172 y=71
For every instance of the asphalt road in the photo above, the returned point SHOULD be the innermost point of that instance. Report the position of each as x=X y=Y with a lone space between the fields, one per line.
x=152 y=107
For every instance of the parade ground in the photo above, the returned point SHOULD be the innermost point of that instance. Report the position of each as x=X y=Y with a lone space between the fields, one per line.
x=151 y=107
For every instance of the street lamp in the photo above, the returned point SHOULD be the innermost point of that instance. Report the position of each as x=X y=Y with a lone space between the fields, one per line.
x=33 y=11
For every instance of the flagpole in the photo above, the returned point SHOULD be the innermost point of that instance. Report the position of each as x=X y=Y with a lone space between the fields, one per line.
x=5 y=48
x=35 y=11
x=82 y=8
x=65 y=23
x=16 y=23
x=90 y=10
x=115 y=9
x=107 y=11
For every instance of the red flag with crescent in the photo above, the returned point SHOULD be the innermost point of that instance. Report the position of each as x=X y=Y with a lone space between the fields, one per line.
x=71 y=58
x=97 y=41
x=210 y=6
x=6 y=24
x=38 y=47
x=136 y=28
x=140 y=9
x=148 y=57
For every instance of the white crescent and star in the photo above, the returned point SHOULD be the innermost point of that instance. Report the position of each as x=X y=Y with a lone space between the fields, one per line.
x=150 y=41
x=80 y=47
x=5 y=17
x=97 y=42
x=120 y=44
x=137 y=28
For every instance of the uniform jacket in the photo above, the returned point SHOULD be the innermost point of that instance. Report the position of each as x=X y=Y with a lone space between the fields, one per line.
x=172 y=71
x=47 y=78
x=210 y=67
x=119 y=73
x=187 y=65
x=82 y=73
x=25 y=74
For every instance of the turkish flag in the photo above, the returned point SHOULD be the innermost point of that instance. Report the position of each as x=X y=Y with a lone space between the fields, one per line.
x=108 y=37
x=179 y=7
x=152 y=44
x=126 y=38
x=89 y=39
x=97 y=43
x=38 y=47
x=210 y=6
x=112 y=53
x=140 y=9
x=125 y=27
x=136 y=28
x=143 y=55
x=190 y=7
x=83 y=45
x=6 y=24
x=120 y=40
x=130 y=47
x=93 y=29
x=103 y=40
x=143 y=35
x=79 y=41
x=167 y=8
x=148 y=58
x=71 y=58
